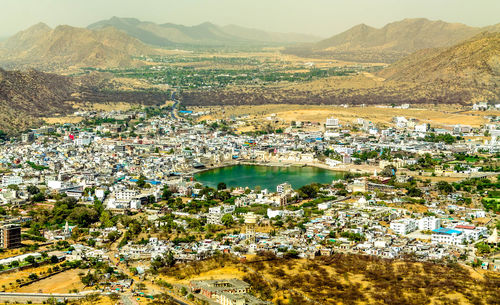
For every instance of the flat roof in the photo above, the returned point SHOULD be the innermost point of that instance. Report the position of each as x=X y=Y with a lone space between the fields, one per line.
x=446 y=231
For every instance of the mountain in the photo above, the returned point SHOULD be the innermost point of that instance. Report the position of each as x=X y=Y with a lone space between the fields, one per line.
x=474 y=62
x=205 y=34
x=65 y=46
x=391 y=42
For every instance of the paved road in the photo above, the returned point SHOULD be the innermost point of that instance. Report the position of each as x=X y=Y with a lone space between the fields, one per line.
x=23 y=298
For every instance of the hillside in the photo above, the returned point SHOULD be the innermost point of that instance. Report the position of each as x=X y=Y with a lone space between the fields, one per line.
x=391 y=42
x=25 y=97
x=52 y=49
x=461 y=74
x=205 y=34
x=346 y=279
x=474 y=62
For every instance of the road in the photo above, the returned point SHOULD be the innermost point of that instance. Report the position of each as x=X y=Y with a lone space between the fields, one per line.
x=174 y=107
x=128 y=299
x=23 y=298
x=153 y=288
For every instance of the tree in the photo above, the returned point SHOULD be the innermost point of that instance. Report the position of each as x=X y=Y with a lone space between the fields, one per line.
x=414 y=192
x=308 y=191
x=113 y=236
x=30 y=259
x=14 y=187
x=141 y=182
x=54 y=259
x=183 y=291
x=221 y=186
x=166 y=193
x=83 y=216
x=444 y=187
x=32 y=189
x=39 y=197
x=140 y=286
x=33 y=276
x=89 y=279
x=388 y=171
x=227 y=220
x=105 y=220
x=169 y=259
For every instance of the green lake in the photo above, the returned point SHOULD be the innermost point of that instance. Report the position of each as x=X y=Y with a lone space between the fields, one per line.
x=266 y=176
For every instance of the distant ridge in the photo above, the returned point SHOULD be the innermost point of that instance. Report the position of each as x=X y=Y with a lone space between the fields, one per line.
x=390 y=43
x=51 y=49
x=204 y=34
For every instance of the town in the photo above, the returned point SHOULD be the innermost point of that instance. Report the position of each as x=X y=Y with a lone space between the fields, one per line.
x=118 y=193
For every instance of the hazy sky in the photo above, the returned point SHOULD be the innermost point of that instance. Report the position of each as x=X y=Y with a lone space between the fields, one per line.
x=320 y=17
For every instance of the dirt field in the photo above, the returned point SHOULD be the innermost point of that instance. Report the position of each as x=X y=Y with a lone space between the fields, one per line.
x=7 y=279
x=439 y=116
x=59 y=283
x=64 y=119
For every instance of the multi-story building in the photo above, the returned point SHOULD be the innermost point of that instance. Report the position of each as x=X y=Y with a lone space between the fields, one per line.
x=10 y=236
x=11 y=179
x=429 y=223
x=283 y=188
x=126 y=195
x=403 y=226
x=332 y=123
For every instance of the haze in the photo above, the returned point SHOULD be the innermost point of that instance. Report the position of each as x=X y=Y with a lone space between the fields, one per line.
x=318 y=17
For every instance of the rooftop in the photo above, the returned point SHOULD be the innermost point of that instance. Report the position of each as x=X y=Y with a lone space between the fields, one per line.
x=446 y=231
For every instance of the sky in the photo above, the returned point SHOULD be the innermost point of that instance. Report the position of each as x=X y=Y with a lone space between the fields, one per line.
x=318 y=17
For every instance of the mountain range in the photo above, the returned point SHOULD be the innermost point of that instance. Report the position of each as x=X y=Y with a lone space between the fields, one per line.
x=204 y=34
x=363 y=43
x=114 y=42
x=64 y=46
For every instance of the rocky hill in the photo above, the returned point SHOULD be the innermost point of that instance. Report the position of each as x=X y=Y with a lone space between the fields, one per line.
x=205 y=34
x=52 y=49
x=391 y=42
x=474 y=62
x=26 y=97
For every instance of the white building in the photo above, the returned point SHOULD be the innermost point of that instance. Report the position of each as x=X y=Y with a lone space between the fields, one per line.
x=83 y=141
x=447 y=236
x=11 y=179
x=332 y=162
x=332 y=123
x=126 y=195
x=471 y=233
x=283 y=188
x=429 y=223
x=403 y=226
x=422 y=128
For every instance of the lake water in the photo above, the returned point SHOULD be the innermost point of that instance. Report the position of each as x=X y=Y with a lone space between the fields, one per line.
x=266 y=176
